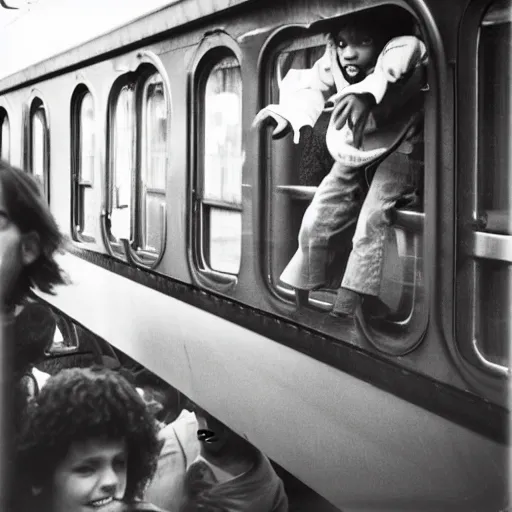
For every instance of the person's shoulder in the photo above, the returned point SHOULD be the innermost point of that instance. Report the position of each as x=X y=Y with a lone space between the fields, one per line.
x=180 y=436
x=183 y=427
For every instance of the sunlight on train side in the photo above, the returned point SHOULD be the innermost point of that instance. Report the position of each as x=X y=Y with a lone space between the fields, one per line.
x=295 y=172
x=484 y=282
x=5 y=136
x=221 y=187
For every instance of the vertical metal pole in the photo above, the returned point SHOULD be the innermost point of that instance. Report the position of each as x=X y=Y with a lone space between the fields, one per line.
x=6 y=410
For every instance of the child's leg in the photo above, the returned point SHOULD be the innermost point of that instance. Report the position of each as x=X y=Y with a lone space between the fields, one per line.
x=333 y=208
x=392 y=180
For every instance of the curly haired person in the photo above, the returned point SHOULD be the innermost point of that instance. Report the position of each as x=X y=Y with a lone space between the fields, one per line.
x=88 y=442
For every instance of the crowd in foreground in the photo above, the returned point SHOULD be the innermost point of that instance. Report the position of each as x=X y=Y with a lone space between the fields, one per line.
x=85 y=439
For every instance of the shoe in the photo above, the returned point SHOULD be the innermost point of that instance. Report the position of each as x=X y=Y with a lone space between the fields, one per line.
x=346 y=303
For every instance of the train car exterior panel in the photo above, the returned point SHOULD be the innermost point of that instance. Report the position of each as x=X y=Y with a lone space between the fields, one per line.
x=363 y=433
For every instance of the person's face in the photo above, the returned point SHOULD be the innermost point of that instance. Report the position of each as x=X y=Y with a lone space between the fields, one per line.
x=92 y=477
x=10 y=251
x=357 y=53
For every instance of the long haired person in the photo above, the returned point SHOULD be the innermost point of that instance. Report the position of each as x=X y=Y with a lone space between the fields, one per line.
x=29 y=238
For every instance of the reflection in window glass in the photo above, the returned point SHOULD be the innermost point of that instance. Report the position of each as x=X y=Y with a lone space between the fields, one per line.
x=224 y=240
x=494 y=192
x=5 y=137
x=222 y=167
x=87 y=139
x=85 y=220
x=154 y=164
x=38 y=150
x=123 y=162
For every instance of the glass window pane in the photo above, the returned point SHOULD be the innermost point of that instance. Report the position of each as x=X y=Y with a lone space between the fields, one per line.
x=223 y=133
x=5 y=137
x=493 y=283
x=495 y=174
x=87 y=139
x=123 y=162
x=154 y=164
x=89 y=211
x=85 y=207
x=153 y=219
x=154 y=171
x=39 y=145
x=224 y=244
x=222 y=166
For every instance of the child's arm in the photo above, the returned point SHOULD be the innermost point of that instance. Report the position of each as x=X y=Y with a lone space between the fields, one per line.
x=302 y=94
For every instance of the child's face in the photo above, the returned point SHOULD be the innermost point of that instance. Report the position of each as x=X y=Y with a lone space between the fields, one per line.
x=357 y=53
x=92 y=477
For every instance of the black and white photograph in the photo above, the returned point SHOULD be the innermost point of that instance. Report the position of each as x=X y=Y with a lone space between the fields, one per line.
x=255 y=255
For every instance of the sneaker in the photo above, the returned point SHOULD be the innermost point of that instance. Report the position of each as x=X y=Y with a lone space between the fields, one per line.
x=346 y=303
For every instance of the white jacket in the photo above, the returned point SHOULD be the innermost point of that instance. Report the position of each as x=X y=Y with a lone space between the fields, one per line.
x=303 y=93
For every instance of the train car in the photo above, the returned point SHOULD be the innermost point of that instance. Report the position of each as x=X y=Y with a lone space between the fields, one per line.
x=181 y=218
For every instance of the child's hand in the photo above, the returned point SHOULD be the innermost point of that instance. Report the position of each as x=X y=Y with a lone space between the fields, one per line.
x=265 y=116
x=354 y=109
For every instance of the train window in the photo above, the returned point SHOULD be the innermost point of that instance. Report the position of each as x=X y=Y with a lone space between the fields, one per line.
x=154 y=165
x=123 y=163
x=219 y=173
x=39 y=145
x=295 y=171
x=84 y=158
x=138 y=149
x=484 y=281
x=5 y=136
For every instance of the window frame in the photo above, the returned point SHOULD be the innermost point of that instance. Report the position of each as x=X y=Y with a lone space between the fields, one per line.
x=212 y=50
x=141 y=111
x=115 y=247
x=77 y=183
x=147 y=65
x=395 y=340
x=483 y=374
x=4 y=115
x=36 y=103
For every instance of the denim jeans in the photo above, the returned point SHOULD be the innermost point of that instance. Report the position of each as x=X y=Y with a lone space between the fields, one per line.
x=333 y=209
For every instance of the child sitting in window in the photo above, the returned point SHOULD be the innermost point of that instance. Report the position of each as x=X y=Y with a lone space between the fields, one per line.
x=371 y=75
